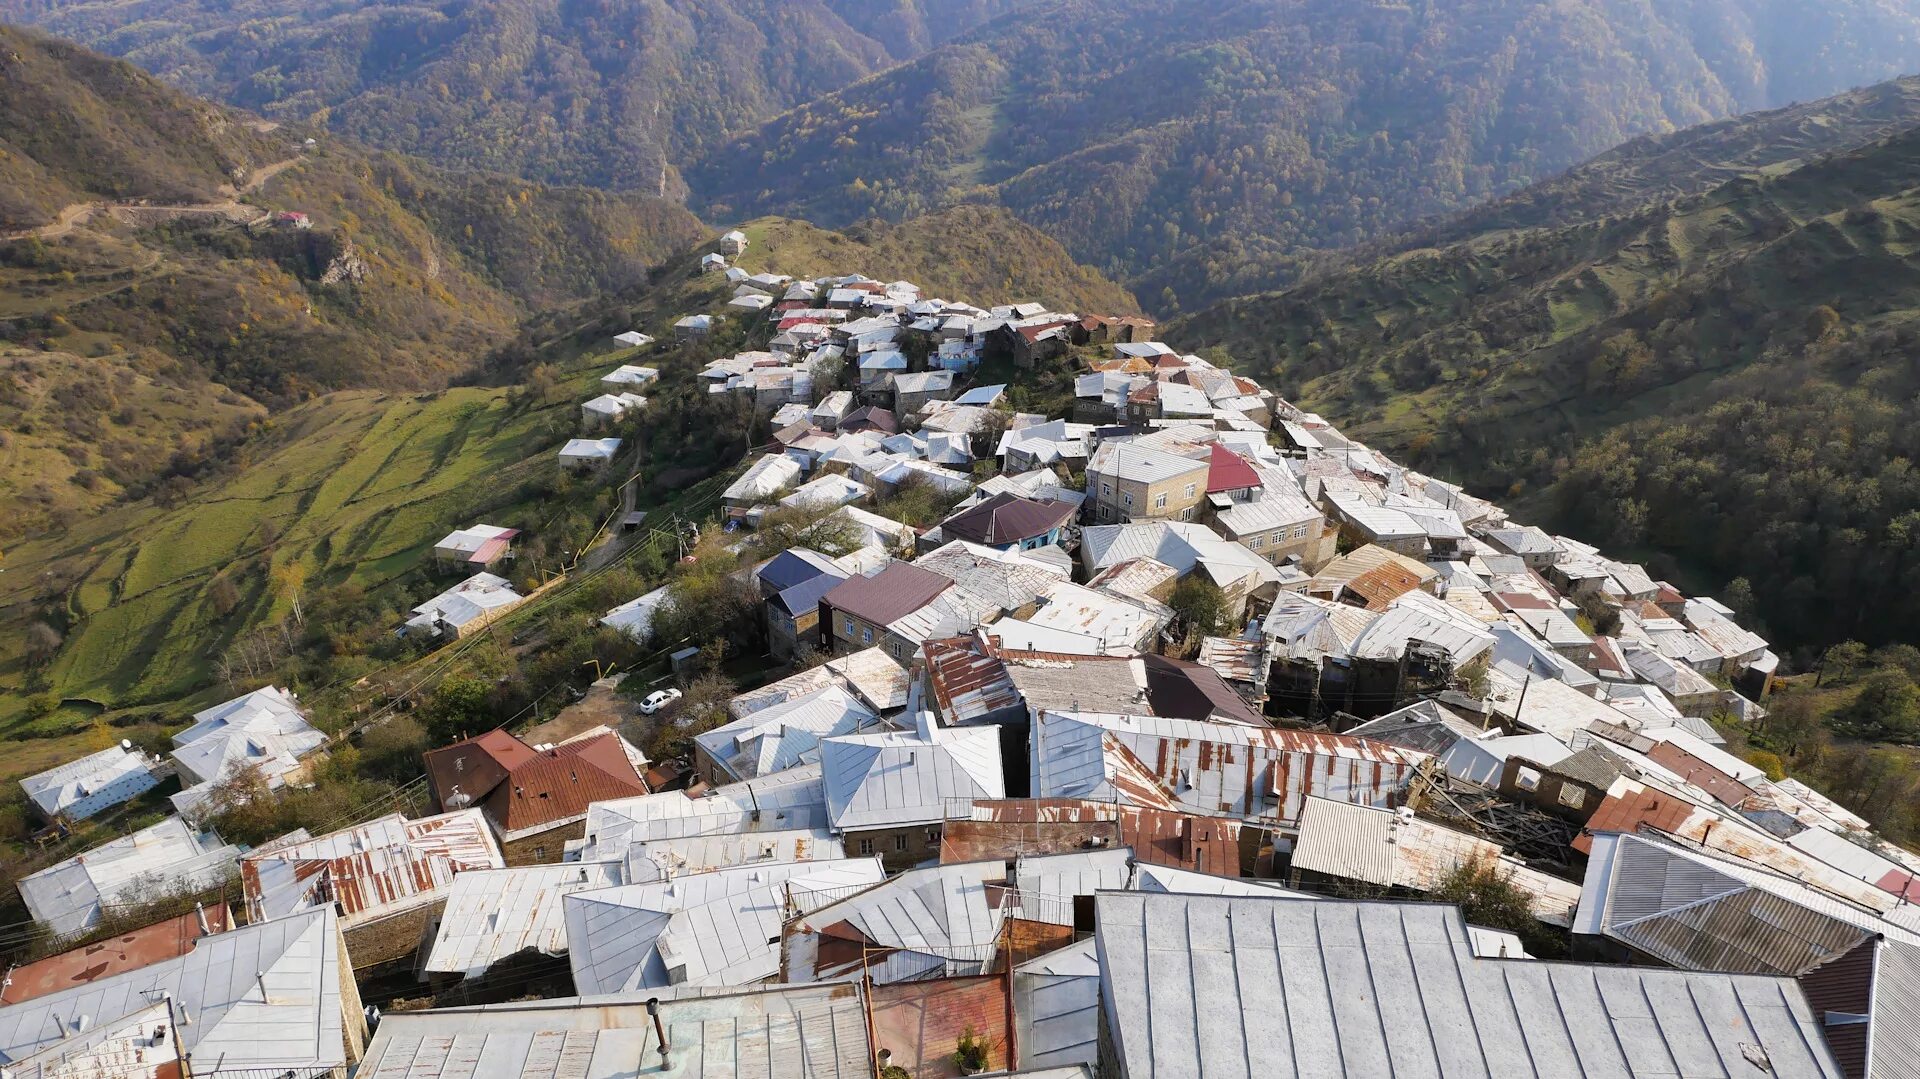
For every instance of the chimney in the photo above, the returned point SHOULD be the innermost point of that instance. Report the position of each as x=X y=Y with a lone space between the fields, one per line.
x=660 y=1032
x=200 y=911
x=260 y=977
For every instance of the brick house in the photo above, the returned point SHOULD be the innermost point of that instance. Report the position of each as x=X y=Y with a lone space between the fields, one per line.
x=856 y=613
x=534 y=799
x=1126 y=482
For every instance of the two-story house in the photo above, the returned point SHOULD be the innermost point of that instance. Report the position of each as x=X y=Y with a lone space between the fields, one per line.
x=1128 y=482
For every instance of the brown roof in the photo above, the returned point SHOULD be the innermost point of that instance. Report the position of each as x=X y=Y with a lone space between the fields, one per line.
x=142 y=947
x=1002 y=828
x=1628 y=812
x=1179 y=689
x=1008 y=518
x=474 y=766
x=560 y=783
x=968 y=679
x=1382 y=585
x=887 y=596
x=871 y=416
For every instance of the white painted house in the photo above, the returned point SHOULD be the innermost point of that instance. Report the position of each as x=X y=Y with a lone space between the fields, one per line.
x=79 y=789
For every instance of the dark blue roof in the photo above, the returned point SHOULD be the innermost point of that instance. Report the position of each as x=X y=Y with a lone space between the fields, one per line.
x=796 y=566
x=805 y=596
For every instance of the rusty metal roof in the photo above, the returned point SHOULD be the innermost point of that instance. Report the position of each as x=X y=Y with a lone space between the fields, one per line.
x=1259 y=775
x=1008 y=827
x=370 y=870
x=115 y=955
x=969 y=681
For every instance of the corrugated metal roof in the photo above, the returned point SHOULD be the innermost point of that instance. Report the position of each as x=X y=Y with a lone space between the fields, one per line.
x=809 y=1032
x=658 y=859
x=1215 y=769
x=141 y=947
x=492 y=914
x=787 y=734
x=298 y=1025
x=1278 y=988
x=68 y=896
x=717 y=928
x=369 y=870
x=785 y=800
x=1398 y=850
x=898 y=778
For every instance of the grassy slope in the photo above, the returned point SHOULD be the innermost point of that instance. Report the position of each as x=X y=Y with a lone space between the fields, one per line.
x=354 y=485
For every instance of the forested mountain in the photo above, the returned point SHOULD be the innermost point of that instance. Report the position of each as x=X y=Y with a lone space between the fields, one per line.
x=614 y=93
x=152 y=305
x=1723 y=381
x=1193 y=150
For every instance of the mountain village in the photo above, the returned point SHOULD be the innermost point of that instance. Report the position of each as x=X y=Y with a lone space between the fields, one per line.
x=1194 y=739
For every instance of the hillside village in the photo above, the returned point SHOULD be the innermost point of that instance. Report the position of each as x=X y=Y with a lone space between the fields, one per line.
x=1166 y=732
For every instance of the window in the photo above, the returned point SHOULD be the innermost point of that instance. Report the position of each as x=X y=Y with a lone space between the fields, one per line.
x=1106 y=490
x=1187 y=514
x=849 y=621
x=1159 y=502
x=900 y=842
x=1571 y=796
x=1299 y=531
x=1190 y=489
x=539 y=854
x=933 y=837
x=1127 y=499
x=866 y=636
x=1527 y=780
x=1258 y=542
x=866 y=846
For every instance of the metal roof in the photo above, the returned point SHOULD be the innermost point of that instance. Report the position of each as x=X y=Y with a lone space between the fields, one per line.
x=68 y=896
x=1398 y=850
x=1260 y=775
x=370 y=870
x=80 y=788
x=297 y=1025
x=897 y=778
x=492 y=914
x=888 y=596
x=794 y=798
x=658 y=859
x=787 y=734
x=1222 y=986
x=132 y=950
x=781 y=1032
x=715 y=928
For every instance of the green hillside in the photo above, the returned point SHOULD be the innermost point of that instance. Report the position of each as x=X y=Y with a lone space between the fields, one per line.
x=1196 y=151
x=150 y=601
x=1721 y=381
x=616 y=95
x=151 y=307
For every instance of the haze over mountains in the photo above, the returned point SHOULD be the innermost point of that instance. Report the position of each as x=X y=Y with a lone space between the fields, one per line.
x=615 y=94
x=1193 y=151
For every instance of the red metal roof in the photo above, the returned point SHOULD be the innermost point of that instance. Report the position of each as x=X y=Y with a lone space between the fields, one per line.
x=1228 y=471
x=116 y=955
x=561 y=782
x=474 y=767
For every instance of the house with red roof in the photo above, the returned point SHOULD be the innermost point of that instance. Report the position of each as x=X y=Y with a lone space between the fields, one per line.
x=535 y=798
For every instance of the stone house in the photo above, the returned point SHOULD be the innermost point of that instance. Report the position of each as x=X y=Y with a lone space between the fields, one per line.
x=1128 y=483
